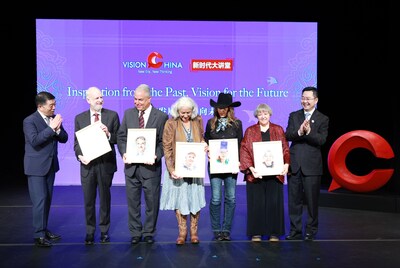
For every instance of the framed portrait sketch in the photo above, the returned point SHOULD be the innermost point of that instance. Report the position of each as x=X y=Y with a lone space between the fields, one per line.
x=190 y=159
x=141 y=145
x=92 y=141
x=224 y=156
x=268 y=157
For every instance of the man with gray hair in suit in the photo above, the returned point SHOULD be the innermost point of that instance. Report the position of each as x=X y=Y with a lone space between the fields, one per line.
x=146 y=176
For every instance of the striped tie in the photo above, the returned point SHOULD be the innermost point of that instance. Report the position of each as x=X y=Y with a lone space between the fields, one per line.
x=141 y=119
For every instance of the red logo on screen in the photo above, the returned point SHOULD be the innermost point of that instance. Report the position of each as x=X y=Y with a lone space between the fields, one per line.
x=151 y=60
x=211 y=65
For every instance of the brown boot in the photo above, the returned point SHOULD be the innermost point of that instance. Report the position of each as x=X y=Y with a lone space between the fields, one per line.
x=194 y=223
x=182 y=221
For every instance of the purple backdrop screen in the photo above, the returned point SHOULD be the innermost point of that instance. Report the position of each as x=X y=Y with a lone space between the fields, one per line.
x=257 y=62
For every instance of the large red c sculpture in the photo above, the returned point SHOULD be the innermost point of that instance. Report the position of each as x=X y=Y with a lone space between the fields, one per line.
x=342 y=177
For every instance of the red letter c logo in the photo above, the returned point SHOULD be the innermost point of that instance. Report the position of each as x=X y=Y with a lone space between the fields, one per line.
x=151 y=60
x=342 y=177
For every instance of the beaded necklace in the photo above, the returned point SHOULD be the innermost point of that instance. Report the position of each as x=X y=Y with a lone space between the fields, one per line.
x=188 y=132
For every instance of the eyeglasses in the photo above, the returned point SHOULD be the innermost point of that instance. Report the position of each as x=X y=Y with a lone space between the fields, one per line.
x=307 y=99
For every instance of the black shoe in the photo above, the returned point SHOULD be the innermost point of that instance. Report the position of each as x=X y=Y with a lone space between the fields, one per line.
x=217 y=236
x=52 y=236
x=148 y=239
x=294 y=236
x=104 y=238
x=309 y=237
x=42 y=242
x=135 y=240
x=226 y=236
x=89 y=240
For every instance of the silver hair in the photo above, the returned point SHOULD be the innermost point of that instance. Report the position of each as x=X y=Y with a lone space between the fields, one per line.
x=262 y=108
x=145 y=88
x=184 y=102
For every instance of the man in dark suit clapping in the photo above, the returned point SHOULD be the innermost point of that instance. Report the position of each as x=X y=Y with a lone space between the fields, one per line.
x=43 y=131
x=307 y=130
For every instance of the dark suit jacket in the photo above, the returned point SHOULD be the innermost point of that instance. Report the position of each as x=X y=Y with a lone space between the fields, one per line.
x=156 y=120
x=111 y=120
x=41 y=145
x=305 y=151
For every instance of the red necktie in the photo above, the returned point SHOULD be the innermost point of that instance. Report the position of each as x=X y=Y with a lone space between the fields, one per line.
x=96 y=117
x=141 y=119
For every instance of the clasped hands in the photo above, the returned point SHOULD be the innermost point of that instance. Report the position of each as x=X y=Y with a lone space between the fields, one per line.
x=305 y=128
x=55 y=122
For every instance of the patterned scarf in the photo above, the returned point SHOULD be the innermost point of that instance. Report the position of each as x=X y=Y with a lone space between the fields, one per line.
x=222 y=124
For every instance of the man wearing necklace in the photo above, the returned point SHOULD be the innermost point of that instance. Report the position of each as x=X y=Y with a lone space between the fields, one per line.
x=184 y=195
x=223 y=125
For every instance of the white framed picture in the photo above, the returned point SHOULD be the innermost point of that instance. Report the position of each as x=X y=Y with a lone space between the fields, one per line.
x=141 y=145
x=190 y=160
x=93 y=141
x=268 y=157
x=224 y=156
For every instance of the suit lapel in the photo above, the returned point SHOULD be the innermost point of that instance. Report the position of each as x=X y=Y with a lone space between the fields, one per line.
x=104 y=117
x=87 y=120
x=135 y=119
x=40 y=118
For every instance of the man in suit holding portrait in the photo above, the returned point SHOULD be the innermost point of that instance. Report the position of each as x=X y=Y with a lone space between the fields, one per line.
x=98 y=173
x=145 y=176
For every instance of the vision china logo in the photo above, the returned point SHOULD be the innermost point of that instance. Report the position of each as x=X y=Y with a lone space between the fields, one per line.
x=154 y=64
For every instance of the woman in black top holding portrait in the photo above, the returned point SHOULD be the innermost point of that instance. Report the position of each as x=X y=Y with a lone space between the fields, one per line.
x=224 y=125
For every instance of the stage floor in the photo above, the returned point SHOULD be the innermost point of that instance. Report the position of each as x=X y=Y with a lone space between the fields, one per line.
x=346 y=238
